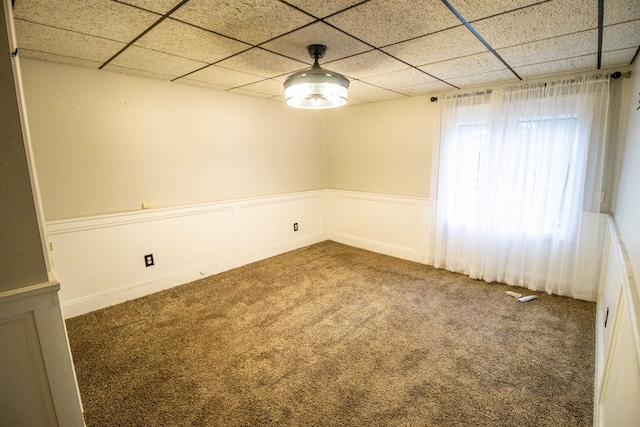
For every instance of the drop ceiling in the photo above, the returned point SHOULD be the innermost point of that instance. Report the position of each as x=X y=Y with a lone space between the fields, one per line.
x=387 y=48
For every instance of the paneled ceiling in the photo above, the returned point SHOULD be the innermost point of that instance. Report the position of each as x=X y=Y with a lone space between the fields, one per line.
x=387 y=48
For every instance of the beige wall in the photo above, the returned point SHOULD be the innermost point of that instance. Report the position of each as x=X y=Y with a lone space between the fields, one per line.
x=106 y=142
x=21 y=259
x=627 y=205
x=383 y=147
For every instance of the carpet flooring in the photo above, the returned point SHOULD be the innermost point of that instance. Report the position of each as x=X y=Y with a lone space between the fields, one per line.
x=331 y=335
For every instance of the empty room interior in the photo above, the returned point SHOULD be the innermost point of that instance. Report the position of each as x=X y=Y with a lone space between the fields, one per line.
x=333 y=212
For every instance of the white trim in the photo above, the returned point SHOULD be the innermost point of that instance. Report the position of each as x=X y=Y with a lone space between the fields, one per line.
x=342 y=225
x=619 y=296
x=240 y=227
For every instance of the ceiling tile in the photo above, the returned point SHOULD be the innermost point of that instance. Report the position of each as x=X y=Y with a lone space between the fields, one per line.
x=400 y=78
x=478 y=9
x=102 y=18
x=26 y=53
x=269 y=87
x=423 y=89
x=381 y=95
x=542 y=21
x=357 y=87
x=190 y=42
x=251 y=21
x=223 y=77
x=294 y=45
x=262 y=63
x=484 y=78
x=322 y=8
x=158 y=6
x=569 y=46
x=618 y=11
x=437 y=47
x=139 y=73
x=383 y=22
x=366 y=65
x=44 y=39
x=581 y=63
x=153 y=61
x=621 y=36
x=464 y=66
x=620 y=57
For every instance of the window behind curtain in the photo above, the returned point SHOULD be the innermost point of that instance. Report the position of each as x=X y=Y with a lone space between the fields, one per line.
x=515 y=169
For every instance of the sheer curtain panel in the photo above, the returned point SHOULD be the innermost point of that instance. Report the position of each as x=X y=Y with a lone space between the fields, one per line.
x=519 y=185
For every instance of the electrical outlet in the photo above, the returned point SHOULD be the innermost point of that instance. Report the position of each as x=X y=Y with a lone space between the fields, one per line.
x=295 y=226
x=148 y=260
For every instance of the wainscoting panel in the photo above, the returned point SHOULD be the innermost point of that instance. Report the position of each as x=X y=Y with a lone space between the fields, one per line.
x=36 y=371
x=266 y=224
x=392 y=225
x=100 y=260
x=617 y=386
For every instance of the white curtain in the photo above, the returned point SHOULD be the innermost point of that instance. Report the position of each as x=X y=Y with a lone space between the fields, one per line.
x=519 y=185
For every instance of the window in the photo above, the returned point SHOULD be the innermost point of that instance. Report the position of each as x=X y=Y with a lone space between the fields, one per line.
x=517 y=173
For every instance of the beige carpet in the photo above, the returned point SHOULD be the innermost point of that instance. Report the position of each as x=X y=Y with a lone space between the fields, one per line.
x=331 y=335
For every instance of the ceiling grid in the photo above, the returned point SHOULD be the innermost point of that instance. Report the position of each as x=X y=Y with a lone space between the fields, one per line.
x=387 y=48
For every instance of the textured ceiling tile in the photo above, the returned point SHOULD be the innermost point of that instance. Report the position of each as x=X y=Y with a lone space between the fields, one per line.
x=322 y=8
x=618 y=11
x=26 y=53
x=254 y=21
x=423 y=89
x=621 y=57
x=437 y=47
x=478 y=9
x=153 y=61
x=383 y=22
x=464 y=66
x=582 y=63
x=621 y=36
x=158 y=6
x=484 y=78
x=223 y=77
x=190 y=42
x=294 y=45
x=102 y=18
x=139 y=73
x=538 y=22
x=269 y=87
x=401 y=78
x=569 y=46
x=54 y=41
x=262 y=63
x=356 y=87
x=381 y=95
x=366 y=65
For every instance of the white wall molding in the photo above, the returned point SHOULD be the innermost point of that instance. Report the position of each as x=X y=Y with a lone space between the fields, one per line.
x=100 y=259
x=388 y=224
x=35 y=362
x=617 y=376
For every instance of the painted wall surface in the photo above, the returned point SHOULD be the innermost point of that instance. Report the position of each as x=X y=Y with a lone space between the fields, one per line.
x=627 y=205
x=106 y=142
x=21 y=259
x=383 y=147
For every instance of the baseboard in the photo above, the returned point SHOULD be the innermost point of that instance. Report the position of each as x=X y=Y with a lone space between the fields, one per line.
x=379 y=247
